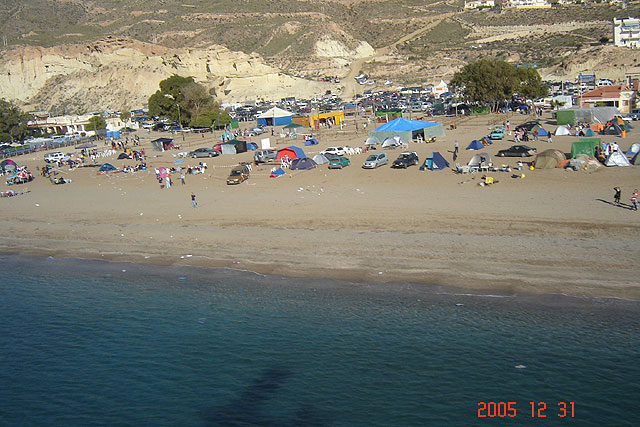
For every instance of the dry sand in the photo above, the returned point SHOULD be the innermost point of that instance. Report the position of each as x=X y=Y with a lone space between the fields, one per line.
x=552 y=232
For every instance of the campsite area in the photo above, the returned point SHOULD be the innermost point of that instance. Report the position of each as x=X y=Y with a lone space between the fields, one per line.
x=529 y=231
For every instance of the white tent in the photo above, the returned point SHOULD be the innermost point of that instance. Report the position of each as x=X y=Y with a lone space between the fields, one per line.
x=320 y=159
x=228 y=148
x=617 y=159
x=392 y=142
x=372 y=140
x=479 y=158
x=562 y=130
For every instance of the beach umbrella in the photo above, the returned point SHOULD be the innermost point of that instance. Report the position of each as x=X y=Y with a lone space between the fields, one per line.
x=163 y=172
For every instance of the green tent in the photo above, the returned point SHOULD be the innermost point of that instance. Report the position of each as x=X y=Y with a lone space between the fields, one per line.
x=566 y=117
x=584 y=146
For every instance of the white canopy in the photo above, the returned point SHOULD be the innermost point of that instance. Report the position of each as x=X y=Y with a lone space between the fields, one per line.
x=275 y=112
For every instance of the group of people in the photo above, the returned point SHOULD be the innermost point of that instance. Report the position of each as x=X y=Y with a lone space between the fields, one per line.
x=618 y=195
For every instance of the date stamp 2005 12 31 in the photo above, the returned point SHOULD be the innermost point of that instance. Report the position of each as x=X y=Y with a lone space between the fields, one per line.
x=533 y=410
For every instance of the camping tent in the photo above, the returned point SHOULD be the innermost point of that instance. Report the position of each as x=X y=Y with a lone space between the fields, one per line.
x=588 y=132
x=543 y=132
x=320 y=159
x=617 y=159
x=480 y=159
x=228 y=149
x=275 y=117
x=276 y=173
x=636 y=159
x=291 y=152
x=612 y=129
x=435 y=162
x=107 y=167
x=408 y=129
x=311 y=141
x=584 y=146
x=475 y=145
x=635 y=148
x=8 y=166
x=392 y=142
x=549 y=159
x=162 y=144
x=252 y=146
x=562 y=130
x=372 y=140
x=124 y=156
x=304 y=163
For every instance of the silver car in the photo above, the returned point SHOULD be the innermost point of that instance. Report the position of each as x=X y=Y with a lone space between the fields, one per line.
x=375 y=160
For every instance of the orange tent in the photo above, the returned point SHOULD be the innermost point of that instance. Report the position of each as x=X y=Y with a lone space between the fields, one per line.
x=597 y=127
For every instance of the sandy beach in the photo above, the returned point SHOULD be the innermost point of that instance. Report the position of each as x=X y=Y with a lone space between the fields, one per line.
x=553 y=231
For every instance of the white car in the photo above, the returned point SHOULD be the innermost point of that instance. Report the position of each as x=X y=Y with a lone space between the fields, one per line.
x=338 y=151
x=56 y=157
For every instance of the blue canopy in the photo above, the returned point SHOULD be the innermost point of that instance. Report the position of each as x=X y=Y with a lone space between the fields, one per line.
x=407 y=129
x=435 y=162
x=475 y=145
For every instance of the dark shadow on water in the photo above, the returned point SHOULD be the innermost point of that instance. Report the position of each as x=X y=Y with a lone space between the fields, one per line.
x=621 y=205
x=248 y=407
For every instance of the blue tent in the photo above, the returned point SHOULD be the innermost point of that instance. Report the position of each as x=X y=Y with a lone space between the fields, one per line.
x=311 y=141
x=435 y=162
x=107 y=167
x=407 y=129
x=276 y=173
x=542 y=132
x=292 y=152
x=303 y=164
x=252 y=146
x=274 y=117
x=475 y=145
x=588 y=132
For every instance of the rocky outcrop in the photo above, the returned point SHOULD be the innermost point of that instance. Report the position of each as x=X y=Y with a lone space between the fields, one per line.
x=121 y=73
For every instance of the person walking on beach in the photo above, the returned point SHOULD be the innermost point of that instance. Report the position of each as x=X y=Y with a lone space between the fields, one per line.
x=182 y=177
x=634 y=200
x=167 y=181
x=616 y=195
x=193 y=200
x=455 y=148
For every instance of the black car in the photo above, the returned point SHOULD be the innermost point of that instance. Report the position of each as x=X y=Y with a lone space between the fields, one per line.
x=405 y=160
x=517 y=151
x=330 y=156
x=528 y=126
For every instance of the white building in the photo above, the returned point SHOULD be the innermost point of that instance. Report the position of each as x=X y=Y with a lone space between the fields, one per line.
x=528 y=4
x=478 y=4
x=626 y=32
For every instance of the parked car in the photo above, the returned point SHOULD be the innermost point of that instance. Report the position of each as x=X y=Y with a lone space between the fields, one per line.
x=338 y=162
x=265 y=156
x=330 y=156
x=375 y=160
x=238 y=175
x=203 y=152
x=528 y=126
x=498 y=132
x=334 y=150
x=405 y=160
x=517 y=151
x=56 y=157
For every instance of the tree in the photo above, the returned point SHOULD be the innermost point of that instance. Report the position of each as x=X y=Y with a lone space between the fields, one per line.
x=531 y=86
x=13 y=122
x=211 y=118
x=486 y=81
x=96 y=123
x=167 y=101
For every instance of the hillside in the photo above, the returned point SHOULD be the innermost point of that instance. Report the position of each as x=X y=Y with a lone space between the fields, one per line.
x=74 y=55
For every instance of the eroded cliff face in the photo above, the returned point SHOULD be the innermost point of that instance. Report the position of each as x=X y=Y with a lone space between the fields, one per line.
x=119 y=73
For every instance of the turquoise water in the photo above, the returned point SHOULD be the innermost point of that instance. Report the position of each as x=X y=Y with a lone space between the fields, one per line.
x=85 y=343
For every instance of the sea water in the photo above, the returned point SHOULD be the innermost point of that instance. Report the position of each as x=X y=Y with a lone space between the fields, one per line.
x=87 y=343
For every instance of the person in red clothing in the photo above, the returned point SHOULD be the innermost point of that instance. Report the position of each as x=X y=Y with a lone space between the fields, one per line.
x=634 y=199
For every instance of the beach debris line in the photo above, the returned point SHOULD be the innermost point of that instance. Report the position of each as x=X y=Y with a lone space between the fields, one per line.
x=520 y=366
